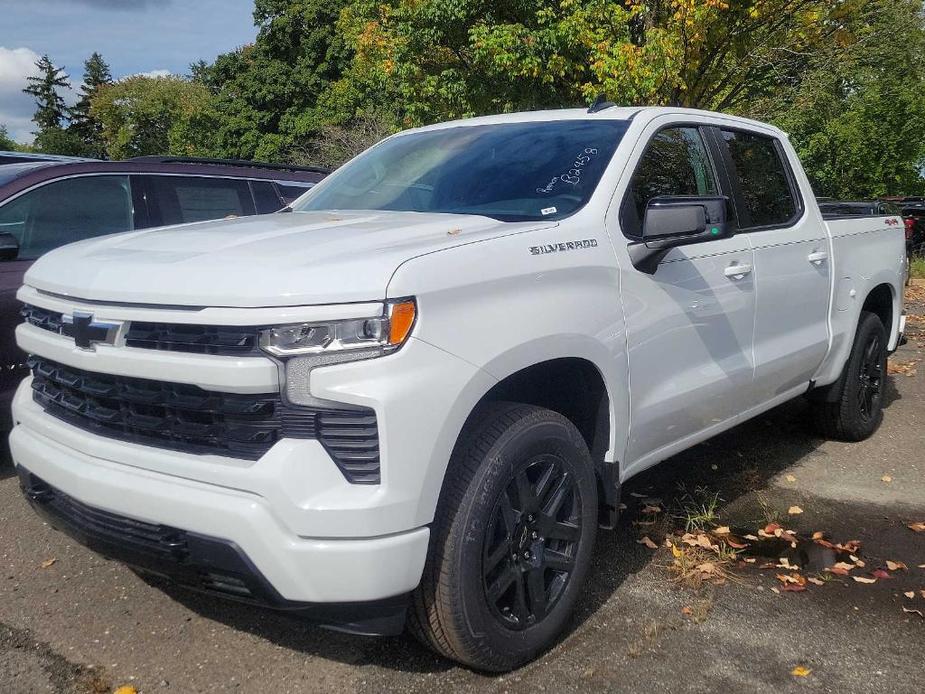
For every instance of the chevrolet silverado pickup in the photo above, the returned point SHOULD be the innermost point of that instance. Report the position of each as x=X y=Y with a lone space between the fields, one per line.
x=412 y=397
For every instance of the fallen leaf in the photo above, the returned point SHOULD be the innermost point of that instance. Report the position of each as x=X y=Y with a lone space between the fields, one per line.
x=906 y=368
x=910 y=594
x=818 y=535
x=722 y=530
x=647 y=542
x=880 y=573
x=126 y=689
x=843 y=565
x=794 y=510
x=886 y=478
x=791 y=478
x=775 y=590
x=650 y=509
x=735 y=545
x=687 y=610
x=800 y=671
x=864 y=579
x=791 y=579
x=895 y=565
x=48 y=562
x=750 y=560
x=917 y=527
x=918 y=612
x=816 y=581
x=793 y=588
x=753 y=538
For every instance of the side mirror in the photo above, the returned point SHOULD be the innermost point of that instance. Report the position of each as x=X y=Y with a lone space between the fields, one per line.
x=678 y=221
x=9 y=246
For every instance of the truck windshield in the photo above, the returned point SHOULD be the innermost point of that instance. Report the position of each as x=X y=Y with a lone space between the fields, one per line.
x=508 y=171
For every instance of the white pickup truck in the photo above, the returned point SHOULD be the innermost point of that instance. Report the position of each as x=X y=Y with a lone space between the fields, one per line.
x=413 y=396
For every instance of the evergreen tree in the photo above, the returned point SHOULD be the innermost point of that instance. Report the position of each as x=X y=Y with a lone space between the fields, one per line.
x=83 y=125
x=50 y=109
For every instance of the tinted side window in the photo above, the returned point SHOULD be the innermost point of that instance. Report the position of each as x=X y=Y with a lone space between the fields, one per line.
x=182 y=199
x=675 y=162
x=762 y=177
x=290 y=191
x=66 y=211
x=265 y=197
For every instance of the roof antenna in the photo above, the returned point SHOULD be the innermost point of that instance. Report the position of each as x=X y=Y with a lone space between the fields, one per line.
x=600 y=103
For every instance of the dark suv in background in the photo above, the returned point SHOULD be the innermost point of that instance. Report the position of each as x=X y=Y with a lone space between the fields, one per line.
x=47 y=204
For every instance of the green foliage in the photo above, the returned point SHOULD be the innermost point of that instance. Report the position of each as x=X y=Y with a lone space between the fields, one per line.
x=83 y=126
x=264 y=95
x=7 y=143
x=859 y=123
x=50 y=109
x=844 y=77
x=152 y=115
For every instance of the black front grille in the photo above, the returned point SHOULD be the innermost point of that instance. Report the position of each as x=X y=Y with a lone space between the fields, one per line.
x=42 y=318
x=197 y=339
x=192 y=420
x=222 y=340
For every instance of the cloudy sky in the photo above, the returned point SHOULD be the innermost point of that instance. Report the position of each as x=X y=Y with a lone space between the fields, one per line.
x=134 y=36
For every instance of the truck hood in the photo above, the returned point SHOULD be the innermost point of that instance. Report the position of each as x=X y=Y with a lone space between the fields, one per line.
x=295 y=259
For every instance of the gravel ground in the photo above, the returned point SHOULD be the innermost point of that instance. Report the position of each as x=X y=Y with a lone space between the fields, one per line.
x=84 y=624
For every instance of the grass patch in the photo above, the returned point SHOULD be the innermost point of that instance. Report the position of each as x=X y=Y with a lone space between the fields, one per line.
x=699 y=509
x=917 y=267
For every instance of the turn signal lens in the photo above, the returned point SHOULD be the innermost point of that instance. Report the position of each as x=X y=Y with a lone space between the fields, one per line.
x=401 y=320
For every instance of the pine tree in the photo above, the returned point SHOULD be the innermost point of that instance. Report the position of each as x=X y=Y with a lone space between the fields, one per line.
x=83 y=125
x=50 y=109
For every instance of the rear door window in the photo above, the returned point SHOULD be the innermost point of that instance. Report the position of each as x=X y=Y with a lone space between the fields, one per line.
x=265 y=197
x=68 y=210
x=763 y=178
x=183 y=199
x=289 y=191
x=674 y=163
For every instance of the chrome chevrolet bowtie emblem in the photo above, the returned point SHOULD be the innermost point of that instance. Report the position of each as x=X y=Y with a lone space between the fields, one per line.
x=88 y=332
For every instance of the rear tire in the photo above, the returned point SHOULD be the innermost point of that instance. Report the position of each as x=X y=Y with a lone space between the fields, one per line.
x=512 y=539
x=852 y=408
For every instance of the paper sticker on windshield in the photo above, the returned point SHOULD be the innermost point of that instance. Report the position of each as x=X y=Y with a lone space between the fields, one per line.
x=548 y=210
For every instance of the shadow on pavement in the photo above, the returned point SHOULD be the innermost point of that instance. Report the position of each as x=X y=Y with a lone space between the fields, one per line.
x=733 y=464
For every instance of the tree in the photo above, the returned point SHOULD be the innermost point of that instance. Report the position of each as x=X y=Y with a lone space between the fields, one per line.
x=859 y=123
x=152 y=115
x=446 y=58
x=265 y=94
x=50 y=109
x=6 y=142
x=83 y=125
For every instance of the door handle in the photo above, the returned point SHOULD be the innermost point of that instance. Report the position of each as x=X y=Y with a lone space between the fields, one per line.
x=817 y=257
x=737 y=271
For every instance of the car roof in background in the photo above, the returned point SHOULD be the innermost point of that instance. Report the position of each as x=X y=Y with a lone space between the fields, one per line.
x=37 y=156
x=12 y=180
x=8 y=172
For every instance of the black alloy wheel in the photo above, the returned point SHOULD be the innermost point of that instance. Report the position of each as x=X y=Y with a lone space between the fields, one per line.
x=530 y=543
x=870 y=377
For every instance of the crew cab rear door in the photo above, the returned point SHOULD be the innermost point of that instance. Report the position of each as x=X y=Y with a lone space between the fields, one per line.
x=792 y=263
x=690 y=323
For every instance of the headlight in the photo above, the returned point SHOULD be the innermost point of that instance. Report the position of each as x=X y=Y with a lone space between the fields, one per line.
x=348 y=339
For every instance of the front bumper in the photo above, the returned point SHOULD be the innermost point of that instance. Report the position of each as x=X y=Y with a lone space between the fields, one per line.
x=300 y=569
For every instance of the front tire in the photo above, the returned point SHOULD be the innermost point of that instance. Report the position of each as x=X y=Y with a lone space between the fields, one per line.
x=853 y=408
x=512 y=540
